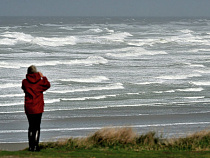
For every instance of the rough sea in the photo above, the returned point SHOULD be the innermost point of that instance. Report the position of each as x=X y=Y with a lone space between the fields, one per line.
x=151 y=74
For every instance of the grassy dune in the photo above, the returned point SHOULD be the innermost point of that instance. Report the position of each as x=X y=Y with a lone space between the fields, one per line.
x=115 y=138
x=123 y=142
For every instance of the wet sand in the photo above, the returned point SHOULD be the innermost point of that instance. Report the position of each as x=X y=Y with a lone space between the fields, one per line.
x=13 y=146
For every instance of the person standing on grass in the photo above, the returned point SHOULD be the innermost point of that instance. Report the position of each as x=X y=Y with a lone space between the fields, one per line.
x=33 y=86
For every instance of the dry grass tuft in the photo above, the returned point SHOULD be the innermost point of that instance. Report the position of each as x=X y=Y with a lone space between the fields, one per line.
x=111 y=136
x=197 y=141
x=148 y=139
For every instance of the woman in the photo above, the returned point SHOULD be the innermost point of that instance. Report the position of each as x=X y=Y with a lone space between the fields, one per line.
x=33 y=86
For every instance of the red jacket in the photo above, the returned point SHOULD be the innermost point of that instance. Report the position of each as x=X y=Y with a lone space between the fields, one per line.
x=33 y=87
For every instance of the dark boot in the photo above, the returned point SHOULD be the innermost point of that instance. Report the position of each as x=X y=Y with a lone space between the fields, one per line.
x=31 y=140
x=36 y=140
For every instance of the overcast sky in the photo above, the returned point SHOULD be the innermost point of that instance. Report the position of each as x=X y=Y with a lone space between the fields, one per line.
x=141 y=8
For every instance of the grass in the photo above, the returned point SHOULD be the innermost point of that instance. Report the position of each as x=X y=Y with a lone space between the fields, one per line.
x=122 y=142
x=106 y=153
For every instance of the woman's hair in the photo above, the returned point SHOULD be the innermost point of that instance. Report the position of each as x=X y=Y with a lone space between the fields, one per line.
x=31 y=69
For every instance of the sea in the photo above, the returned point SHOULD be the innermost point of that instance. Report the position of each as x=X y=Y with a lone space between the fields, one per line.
x=150 y=74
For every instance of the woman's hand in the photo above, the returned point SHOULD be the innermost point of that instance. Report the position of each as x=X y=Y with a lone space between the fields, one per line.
x=41 y=74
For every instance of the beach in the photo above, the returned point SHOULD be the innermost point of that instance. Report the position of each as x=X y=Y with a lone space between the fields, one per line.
x=151 y=74
x=167 y=126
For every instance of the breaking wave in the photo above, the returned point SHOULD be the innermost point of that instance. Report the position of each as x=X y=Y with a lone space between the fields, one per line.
x=92 y=60
x=93 y=79
x=12 y=38
x=201 y=83
x=133 y=52
x=86 y=89
x=9 y=85
x=178 y=77
x=181 y=90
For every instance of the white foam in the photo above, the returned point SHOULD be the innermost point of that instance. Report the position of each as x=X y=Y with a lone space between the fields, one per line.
x=93 y=79
x=78 y=108
x=94 y=30
x=203 y=71
x=7 y=41
x=19 y=65
x=12 y=104
x=51 y=25
x=12 y=65
x=86 y=89
x=170 y=91
x=178 y=77
x=47 y=63
x=12 y=95
x=89 y=61
x=200 y=112
x=101 y=107
x=55 y=41
x=92 y=60
x=88 y=98
x=197 y=97
x=117 y=37
x=29 y=54
x=50 y=101
x=18 y=36
x=202 y=50
x=13 y=131
x=10 y=112
x=127 y=105
x=108 y=30
x=180 y=90
x=171 y=124
x=12 y=38
x=195 y=65
x=186 y=38
x=186 y=31
x=51 y=130
x=204 y=100
x=183 y=38
x=147 y=83
x=150 y=42
x=67 y=28
x=201 y=83
x=132 y=93
x=9 y=85
x=133 y=52
x=8 y=65
x=190 y=89
x=185 y=90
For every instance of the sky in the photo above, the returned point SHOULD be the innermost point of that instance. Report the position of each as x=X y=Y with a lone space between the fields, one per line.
x=106 y=8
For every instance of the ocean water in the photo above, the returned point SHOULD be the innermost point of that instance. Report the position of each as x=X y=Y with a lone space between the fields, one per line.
x=151 y=74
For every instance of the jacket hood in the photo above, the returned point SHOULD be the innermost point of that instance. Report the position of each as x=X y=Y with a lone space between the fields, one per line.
x=33 y=78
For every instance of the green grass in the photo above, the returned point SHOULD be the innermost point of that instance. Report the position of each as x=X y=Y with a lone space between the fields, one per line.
x=104 y=153
x=122 y=142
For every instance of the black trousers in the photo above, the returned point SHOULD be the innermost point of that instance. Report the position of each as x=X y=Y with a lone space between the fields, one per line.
x=34 y=121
